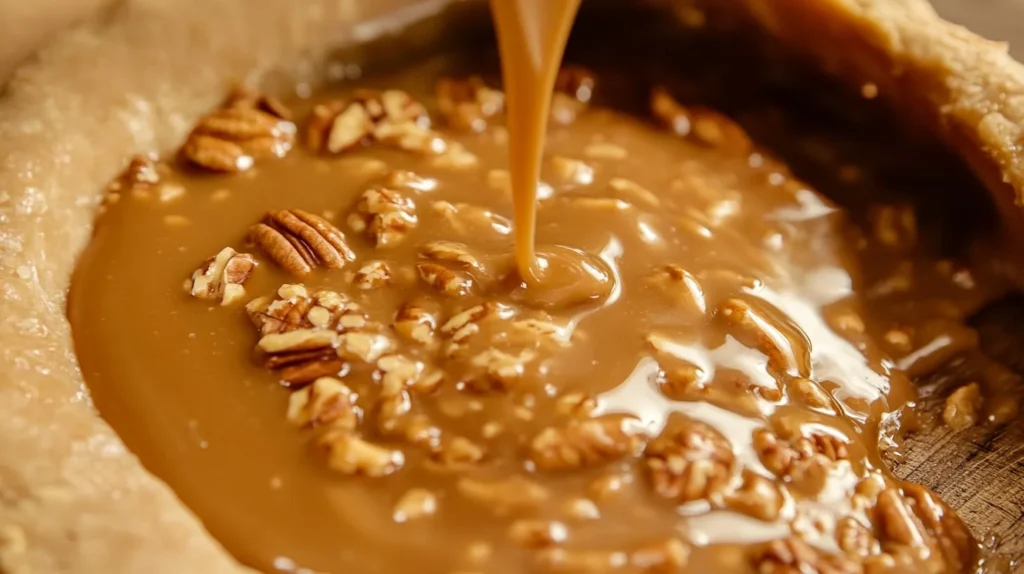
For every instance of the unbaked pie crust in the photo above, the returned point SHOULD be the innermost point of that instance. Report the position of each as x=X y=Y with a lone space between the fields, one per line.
x=72 y=498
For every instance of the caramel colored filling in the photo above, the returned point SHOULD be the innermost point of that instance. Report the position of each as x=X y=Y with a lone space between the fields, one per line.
x=356 y=379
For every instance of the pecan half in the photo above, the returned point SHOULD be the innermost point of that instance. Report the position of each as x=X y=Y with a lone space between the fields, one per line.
x=586 y=443
x=222 y=276
x=302 y=355
x=384 y=216
x=689 y=460
x=299 y=241
x=231 y=139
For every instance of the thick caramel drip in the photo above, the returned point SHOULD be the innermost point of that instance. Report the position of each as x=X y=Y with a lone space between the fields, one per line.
x=531 y=36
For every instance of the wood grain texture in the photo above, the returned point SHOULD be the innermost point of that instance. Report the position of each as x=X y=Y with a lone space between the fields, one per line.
x=979 y=471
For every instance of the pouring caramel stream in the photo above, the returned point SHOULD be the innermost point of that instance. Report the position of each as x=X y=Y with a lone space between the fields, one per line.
x=531 y=37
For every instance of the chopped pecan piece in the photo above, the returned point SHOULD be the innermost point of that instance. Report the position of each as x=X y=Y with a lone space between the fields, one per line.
x=373 y=275
x=962 y=408
x=576 y=404
x=222 y=277
x=451 y=252
x=416 y=323
x=347 y=453
x=533 y=533
x=585 y=443
x=703 y=125
x=452 y=283
x=391 y=117
x=415 y=503
x=231 y=139
x=689 y=460
x=470 y=220
x=299 y=241
x=504 y=494
x=804 y=461
x=466 y=322
x=296 y=308
x=855 y=539
x=384 y=216
x=363 y=346
x=468 y=104
x=458 y=452
x=497 y=370
x=758 y=497
x=794 y=556
x=398 y=372
x=326 y=402
x=574 y=89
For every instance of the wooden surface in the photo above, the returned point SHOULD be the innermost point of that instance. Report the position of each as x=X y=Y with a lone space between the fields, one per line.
x=979 y=471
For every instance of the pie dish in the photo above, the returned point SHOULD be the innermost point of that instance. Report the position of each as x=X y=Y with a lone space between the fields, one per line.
x=72 y=498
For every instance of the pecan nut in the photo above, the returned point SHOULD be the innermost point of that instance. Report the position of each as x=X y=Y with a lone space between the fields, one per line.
x=391 y=117
x=222 y=277
x=689 y=460
x=325 y=402
x=587 y=443
x=296 y=308
x=299 y=241
x=804 y=461
x=231 y=139
x=384 y=216
x=302 y=355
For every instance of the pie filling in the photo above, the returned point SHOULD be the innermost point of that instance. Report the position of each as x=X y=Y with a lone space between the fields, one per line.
x=308 y=323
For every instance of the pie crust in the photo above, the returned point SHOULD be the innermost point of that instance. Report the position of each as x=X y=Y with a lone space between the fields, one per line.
x=72 y=498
